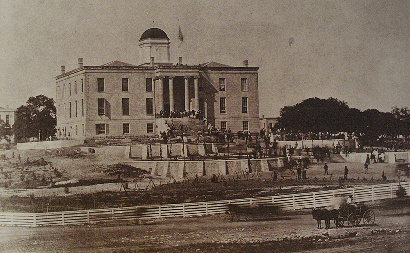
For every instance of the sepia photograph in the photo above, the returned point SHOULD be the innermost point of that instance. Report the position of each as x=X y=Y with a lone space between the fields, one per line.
x=204 y=126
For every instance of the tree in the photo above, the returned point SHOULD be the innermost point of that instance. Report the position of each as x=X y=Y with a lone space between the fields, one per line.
x=331 y=115
x=35 y=119
x=403 y=115
x=316 y=115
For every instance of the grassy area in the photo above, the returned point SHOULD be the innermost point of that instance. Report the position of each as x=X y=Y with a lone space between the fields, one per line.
x=195 y=190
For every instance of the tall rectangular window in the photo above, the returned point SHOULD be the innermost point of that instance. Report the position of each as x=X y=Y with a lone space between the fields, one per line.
x=245 y=125
x=82 y=107
x=76 y=109
x=244 y=105
x=82 y=85
x=150 y=128
x=75 y=87
x=101 y=106
x=70 y=90
x=125 y=106
x=223 y=125
x=125 y=84
x=100 y=84
x=148 y=84
x=222 y=85
x=126 y=128
x=244 y=84
x=222 y=105
x=149 y=106
x=100 y=129
x=8 y=119
x=70 y=110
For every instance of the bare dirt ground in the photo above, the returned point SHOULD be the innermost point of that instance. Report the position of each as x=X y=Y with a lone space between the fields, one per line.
x=296 y=233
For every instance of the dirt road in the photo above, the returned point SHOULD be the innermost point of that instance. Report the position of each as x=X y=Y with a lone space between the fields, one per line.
x=216 y=234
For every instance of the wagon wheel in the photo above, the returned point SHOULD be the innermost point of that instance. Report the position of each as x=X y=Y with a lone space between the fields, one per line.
x=352 y=220
x=369 y=217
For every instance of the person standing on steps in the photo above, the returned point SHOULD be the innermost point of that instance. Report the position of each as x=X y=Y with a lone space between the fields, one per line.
x=326 y=168
x=346 y=173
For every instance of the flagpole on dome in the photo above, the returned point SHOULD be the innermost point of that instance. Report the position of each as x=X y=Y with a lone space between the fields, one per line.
x=180 y=36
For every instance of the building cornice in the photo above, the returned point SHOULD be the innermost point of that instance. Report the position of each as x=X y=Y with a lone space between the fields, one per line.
x=157 y=67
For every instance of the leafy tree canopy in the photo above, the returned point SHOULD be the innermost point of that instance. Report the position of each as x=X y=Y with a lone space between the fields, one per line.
x=36 y=118
x=332 y=115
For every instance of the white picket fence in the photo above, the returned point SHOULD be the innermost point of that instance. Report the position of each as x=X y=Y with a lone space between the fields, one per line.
x=298 y=201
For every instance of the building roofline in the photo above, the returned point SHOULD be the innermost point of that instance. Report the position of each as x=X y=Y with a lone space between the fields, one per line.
x=176 y=66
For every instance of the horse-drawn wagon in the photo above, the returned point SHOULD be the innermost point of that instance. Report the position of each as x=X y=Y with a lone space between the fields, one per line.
x=352 y=214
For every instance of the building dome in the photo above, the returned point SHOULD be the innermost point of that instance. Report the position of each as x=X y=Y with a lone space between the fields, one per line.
x=154 y=33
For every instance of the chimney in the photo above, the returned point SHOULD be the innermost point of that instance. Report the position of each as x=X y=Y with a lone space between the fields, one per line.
x=245 y=63
x=62 y=70
x=180 y=60
x=152 y=61
x=80 y=63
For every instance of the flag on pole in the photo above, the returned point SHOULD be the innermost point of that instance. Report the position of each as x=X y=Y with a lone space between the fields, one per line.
x=180 y=35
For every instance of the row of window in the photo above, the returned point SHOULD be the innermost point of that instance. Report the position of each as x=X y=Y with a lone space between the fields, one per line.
x=244 y=84
x=222 y=105
x=63 y=131
x=149 y=106
x=105 y=128
x=70 y=109
x=245 y=125
x=124 y=84
x=70 y=88
x=148 y=84
x=101 y=104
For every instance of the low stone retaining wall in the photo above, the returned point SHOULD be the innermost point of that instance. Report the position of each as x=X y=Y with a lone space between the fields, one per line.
x=182 y=169
x=48 y=144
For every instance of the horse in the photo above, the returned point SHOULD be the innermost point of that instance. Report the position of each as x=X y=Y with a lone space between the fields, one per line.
x=320 y=214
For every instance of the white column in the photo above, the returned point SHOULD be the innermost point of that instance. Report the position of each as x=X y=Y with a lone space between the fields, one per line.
x=186 y=94
x=205 y=110
x=171 y=94
x=196 y=89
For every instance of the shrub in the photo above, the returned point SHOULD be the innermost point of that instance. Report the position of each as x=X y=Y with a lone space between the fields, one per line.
x=401 y=192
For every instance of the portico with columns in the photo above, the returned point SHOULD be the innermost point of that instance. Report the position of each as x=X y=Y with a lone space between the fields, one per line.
x=176 y=90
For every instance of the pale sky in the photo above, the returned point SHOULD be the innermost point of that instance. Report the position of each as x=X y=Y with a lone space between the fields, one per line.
x=356 y=51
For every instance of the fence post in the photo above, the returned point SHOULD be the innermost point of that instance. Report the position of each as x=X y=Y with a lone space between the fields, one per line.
x=314 y=200
x=391 y=190
x=88 y=216
x=62 y=218
x=183 y=210
x=354 y=195
x=112 y=213
x=159 y=212
x=206 y=208
x=273 y=199
x=250 y=201
x=293 y=202
x=35 y=220
x=372 y=193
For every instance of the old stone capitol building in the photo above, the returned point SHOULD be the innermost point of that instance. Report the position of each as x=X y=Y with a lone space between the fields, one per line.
x=121 y=99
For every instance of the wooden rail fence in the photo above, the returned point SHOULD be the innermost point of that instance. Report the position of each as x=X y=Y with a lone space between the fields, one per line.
x=132 y=214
